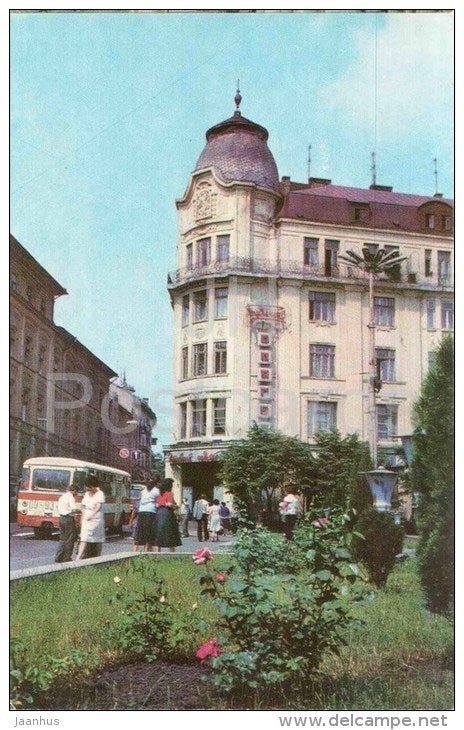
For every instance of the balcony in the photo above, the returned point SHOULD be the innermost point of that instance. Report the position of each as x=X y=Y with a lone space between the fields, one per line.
x=242 y=265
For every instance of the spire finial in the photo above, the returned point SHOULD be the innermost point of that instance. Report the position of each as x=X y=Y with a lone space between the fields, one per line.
x=238 y=97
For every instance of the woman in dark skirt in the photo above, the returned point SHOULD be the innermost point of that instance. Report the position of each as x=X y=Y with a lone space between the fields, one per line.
x=167 y=529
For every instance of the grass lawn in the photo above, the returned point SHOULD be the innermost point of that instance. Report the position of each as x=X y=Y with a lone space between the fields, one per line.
x=399 y=658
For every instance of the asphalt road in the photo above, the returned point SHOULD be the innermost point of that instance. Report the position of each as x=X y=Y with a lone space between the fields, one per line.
x=26 y=551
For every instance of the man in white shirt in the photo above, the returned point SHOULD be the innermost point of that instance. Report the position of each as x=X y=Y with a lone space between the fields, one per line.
x=67 y=510
x=290 y=510
x=200 y=514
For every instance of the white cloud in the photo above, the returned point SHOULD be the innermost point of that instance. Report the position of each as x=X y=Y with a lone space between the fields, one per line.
x=414 y=77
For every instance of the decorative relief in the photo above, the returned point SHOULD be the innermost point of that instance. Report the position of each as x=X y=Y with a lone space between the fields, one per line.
x=199 y=333
x=185 y=339
x=262 y=209
x=221 y=331
x=203 y=204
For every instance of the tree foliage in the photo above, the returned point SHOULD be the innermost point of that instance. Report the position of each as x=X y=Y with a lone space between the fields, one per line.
x=383 y=540
x=256 y=469
x=432 y=477
x=338 y=478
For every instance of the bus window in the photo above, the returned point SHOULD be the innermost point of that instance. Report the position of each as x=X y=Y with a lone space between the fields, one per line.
x=79 y=480
x=55 y=480
x=25 y=477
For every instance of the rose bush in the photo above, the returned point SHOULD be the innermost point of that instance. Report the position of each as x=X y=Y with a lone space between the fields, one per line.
x=279 y=619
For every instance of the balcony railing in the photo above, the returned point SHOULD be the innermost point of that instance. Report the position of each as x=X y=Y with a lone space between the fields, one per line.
x=289 y=268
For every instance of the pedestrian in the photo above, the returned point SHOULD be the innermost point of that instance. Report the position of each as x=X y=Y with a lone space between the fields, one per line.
x=214 y=523
x=134 y=515
x=92 y=534
x=145 y=530
x=224 y=514
x=167 y=529
x=184 y=513
x=67 y=510
x=290 y=509
x=200 y=514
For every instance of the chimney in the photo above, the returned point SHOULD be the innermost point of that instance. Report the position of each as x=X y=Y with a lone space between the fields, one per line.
x=385 y=188
x=438 y=195
x=285 y=185
x=317 y=182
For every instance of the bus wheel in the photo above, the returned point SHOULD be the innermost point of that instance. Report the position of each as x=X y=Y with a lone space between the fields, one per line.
x=44 y=532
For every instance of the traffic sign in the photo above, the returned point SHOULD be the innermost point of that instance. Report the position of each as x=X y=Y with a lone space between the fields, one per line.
x=124 y=453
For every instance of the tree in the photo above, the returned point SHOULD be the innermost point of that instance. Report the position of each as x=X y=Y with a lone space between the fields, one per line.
x=256 y=469
x=338 y=478
x=432 y=477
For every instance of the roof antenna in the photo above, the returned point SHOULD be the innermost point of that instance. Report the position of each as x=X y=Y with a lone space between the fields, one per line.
x=435 y=173
x=373 y=169
x=237 y=98
x=309 y=163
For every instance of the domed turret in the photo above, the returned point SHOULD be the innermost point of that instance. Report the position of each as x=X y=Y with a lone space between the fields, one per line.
x=237 y=150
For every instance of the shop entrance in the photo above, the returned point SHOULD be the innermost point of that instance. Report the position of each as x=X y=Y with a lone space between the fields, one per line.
x=201 y=479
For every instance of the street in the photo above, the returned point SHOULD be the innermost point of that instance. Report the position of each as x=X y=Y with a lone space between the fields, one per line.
x=26 y=551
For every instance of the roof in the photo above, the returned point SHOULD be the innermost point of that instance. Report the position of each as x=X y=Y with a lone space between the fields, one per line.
x=64 y=461
x=334 y=204
x=73 y=340
x=237 y=150
x=18 y=249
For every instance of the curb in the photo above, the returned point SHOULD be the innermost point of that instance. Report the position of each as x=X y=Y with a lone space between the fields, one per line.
x=89 y=562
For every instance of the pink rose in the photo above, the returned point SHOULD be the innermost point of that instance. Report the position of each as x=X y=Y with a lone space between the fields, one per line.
x=202 y=556
x=321 y=522
x=220 y=577
x=208 y=649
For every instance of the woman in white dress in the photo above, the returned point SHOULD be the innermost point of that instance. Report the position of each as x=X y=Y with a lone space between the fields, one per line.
x=92 y=534
x=214 y=520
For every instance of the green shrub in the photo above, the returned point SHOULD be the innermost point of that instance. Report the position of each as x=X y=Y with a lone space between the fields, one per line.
x=150 y=626
x=276 y=626
x=381 y=541
x=30 y=682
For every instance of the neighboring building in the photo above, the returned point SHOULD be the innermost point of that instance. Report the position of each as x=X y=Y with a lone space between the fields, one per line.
x=40 y=354
x=271 y=327
x=132 y=437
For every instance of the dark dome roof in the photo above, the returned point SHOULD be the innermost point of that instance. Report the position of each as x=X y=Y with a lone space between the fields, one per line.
x=237 y=150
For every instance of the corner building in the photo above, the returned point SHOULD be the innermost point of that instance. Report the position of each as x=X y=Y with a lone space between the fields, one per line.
x=271 y=326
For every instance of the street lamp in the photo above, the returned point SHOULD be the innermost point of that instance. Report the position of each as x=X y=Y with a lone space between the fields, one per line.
x=381 y=483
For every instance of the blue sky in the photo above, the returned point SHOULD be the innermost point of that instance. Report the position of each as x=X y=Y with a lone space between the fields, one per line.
x=109 y=112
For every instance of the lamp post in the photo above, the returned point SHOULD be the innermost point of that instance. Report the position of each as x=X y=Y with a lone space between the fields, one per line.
x=381 y=483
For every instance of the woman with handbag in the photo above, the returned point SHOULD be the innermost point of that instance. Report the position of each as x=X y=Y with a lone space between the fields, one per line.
x=167 y=529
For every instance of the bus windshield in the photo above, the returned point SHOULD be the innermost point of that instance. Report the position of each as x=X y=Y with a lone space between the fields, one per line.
x=53 y=480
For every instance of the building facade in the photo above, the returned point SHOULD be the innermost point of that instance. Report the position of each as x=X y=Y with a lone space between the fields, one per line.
x=271 y=326
x=133 y=422
x=60 y=398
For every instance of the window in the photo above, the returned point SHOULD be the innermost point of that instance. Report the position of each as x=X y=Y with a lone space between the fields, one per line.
x=198 y=418
x=394 y=272
x=43 y=306
x=13 y=335
x=357 y=214
x=27 y=349
x=55 y=480
x=29 y=293
x=220 y=358
x=330 y=257
x=446 y=222
x=447 y=315
x=222 y=253
x=429 y=220
x=200 y=305
x=185 y=310
x=322 y=361
x=189 y=256
x=183 y=420
x=14 y=282
x=219 y=416
x=430 y=314
x=203 y=251
x=444 y=267
x=220 y=302
x=428 y=262
x=387 y=422
x=185 y=361
x=385 y=364
x=384 y=311
x=311 y=257
x=322 y=416
x=200 y=355
x=321 y=306
x=42 y=358
x=432 y=356
x=25 y=398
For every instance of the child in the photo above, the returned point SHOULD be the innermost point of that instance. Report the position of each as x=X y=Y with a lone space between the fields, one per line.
x=214 y=520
